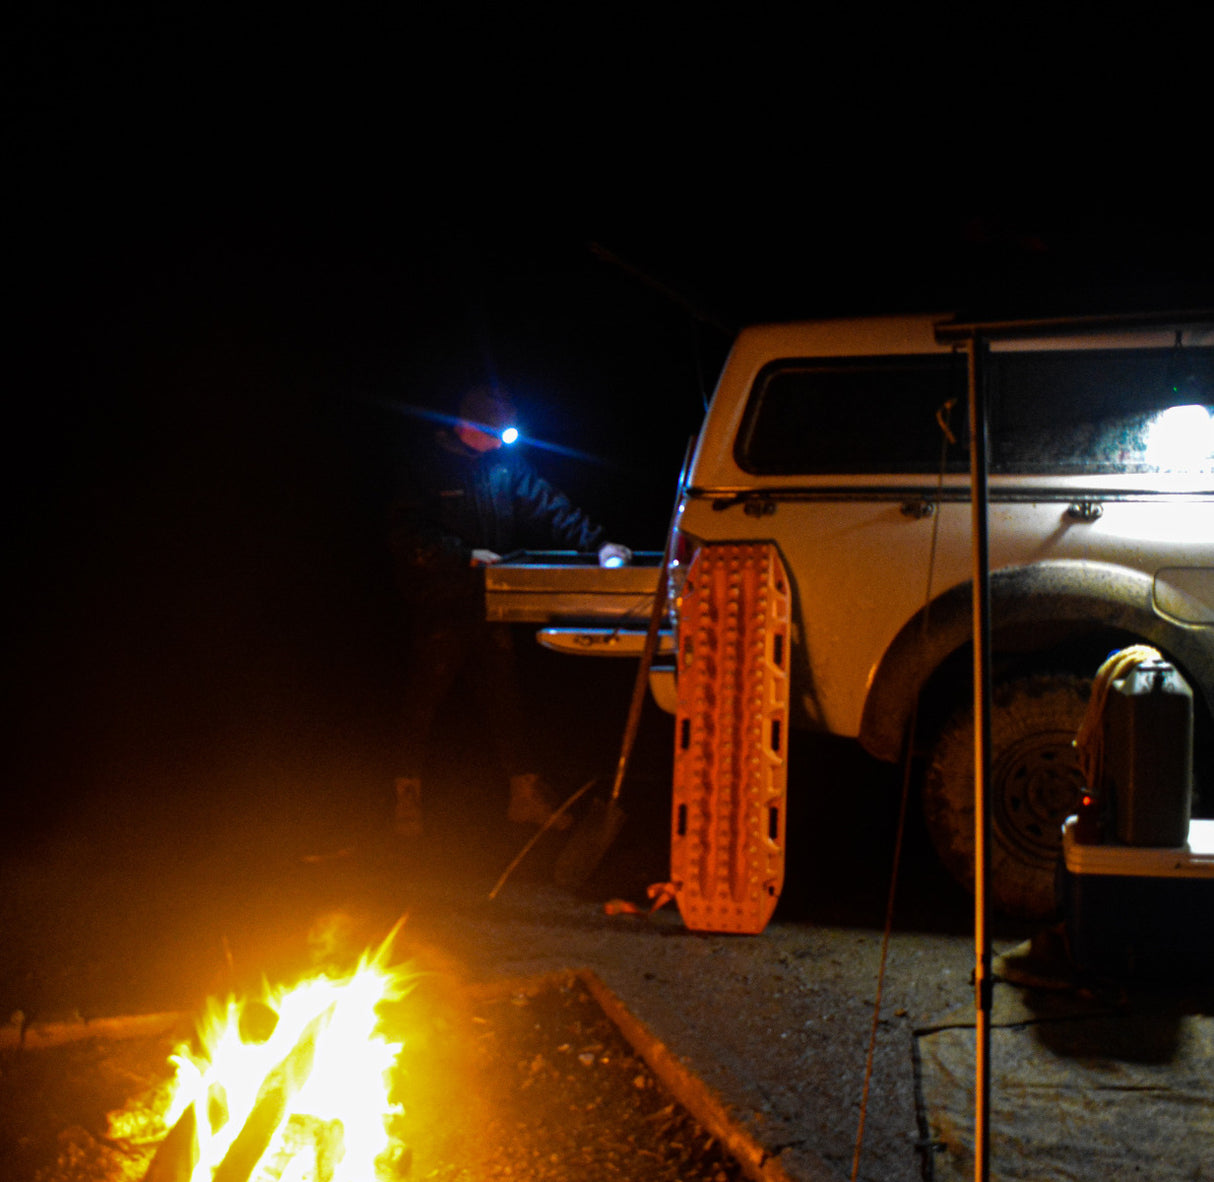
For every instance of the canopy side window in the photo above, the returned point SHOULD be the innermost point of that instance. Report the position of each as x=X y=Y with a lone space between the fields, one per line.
x=1102 y=411
x=853 y=415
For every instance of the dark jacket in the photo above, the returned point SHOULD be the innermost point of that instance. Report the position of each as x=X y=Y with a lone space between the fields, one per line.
x=454 y=500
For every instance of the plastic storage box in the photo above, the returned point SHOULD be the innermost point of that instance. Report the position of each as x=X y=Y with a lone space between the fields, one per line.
x=1142 y=912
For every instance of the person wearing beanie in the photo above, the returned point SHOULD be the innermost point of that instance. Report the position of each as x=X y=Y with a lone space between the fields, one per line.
x=468 y=498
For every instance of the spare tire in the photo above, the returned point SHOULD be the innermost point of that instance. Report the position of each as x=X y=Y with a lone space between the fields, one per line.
x=1035 y=784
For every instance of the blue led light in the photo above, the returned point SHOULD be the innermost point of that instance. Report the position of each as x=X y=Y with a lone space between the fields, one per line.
x=510 y=435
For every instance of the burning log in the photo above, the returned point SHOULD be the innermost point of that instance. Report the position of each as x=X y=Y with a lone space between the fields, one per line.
x=271 y=1106
x=294 y=1086
x=178 y=1153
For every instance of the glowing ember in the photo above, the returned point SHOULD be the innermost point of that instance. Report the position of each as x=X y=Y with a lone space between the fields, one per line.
x=295 y=1087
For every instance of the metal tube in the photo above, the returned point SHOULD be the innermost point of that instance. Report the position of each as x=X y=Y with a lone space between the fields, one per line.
x=976 y=349
x=959 y=332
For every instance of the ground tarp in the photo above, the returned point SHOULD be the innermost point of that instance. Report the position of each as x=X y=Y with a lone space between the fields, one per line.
x=1083 y=1089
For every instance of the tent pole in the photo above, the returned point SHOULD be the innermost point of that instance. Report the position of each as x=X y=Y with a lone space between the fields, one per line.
x=976 y=349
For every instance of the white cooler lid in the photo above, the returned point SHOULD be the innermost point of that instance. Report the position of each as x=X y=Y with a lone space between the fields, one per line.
x=1195 y=859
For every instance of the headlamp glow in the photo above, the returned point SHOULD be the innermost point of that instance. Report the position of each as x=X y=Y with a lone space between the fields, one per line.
x=509 y=435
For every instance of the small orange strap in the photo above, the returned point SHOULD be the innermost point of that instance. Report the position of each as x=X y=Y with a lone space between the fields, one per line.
x=660 y=893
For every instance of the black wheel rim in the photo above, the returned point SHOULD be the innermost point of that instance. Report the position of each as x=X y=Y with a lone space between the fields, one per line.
x=1037 y=785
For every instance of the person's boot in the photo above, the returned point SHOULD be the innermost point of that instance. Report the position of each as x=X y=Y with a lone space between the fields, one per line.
x=531 y=802
x=407 y=817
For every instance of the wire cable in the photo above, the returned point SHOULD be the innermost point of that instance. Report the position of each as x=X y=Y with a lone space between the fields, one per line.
x=942 y=420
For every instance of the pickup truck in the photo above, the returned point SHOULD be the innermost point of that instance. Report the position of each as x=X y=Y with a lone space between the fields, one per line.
x=845 y=444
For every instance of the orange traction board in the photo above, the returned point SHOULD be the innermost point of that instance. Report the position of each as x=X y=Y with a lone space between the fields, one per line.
x=731 y=736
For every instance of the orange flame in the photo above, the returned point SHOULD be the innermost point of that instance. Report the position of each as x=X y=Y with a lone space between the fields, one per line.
x=295 y=1086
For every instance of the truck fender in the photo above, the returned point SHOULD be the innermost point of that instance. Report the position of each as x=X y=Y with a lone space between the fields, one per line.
x=1083 y=596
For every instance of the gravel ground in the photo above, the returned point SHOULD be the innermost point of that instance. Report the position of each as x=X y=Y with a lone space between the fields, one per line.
x=118 y=910
x=562 y=1096
x=529 y=1083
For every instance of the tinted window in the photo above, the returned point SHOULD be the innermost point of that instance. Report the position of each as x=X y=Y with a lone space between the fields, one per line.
x=1062 y=413
x=852 y=415
x=1102 y=411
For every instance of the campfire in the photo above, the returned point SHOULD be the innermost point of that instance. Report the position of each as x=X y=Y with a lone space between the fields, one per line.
x=377 y=1074
x=294 y=1086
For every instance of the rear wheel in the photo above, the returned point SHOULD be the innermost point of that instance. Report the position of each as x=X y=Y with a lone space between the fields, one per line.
x=1035 y=785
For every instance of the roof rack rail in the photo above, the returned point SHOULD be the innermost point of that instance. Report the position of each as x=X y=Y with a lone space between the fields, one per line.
x=1008 y=329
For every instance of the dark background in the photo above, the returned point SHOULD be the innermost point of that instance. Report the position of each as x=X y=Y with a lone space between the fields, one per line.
x=237 y=251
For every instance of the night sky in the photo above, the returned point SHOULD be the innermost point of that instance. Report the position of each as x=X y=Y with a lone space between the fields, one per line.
x=237 y=251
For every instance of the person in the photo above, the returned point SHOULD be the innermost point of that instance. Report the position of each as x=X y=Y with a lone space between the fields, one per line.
x=467 y=500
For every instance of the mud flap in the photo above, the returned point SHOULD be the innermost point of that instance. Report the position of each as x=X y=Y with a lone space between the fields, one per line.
x=731 y=739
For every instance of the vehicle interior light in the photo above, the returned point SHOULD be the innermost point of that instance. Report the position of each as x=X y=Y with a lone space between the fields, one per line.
x=1181 y=438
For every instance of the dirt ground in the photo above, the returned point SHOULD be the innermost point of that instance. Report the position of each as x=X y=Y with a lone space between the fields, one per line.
x=776 y=1025
x=142 y=903
x=525 y=1082
x=118 y=913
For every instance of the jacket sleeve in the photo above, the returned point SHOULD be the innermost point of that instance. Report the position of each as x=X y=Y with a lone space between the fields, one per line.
x=550 y=517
